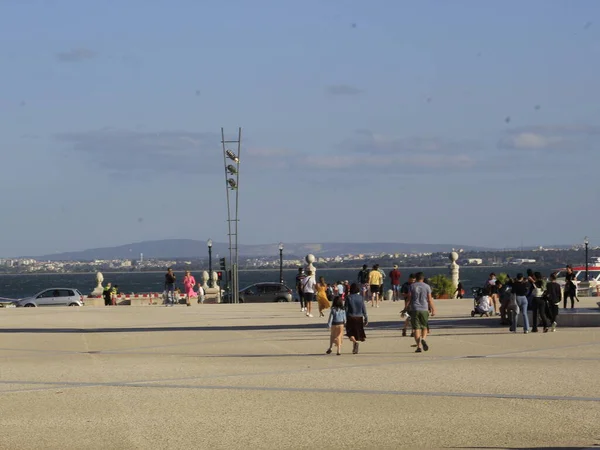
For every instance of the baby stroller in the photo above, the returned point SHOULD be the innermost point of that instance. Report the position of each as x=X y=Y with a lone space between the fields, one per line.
x=478 y=304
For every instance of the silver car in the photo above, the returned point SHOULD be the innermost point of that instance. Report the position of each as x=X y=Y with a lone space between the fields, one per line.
x=265 y=293
x=53 y=297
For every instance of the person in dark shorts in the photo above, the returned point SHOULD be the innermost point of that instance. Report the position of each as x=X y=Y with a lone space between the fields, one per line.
x=299 y=281
x=420 y=304
x=356 y=317
x=376 y=285
x=308 y=288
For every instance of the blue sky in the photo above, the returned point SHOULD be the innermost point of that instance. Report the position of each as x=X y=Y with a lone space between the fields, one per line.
x=461 y=122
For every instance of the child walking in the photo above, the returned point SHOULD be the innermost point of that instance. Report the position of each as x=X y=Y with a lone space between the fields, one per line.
x=336 y=322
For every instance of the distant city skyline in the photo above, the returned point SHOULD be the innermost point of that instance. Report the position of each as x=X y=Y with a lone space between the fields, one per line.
x=465 y=122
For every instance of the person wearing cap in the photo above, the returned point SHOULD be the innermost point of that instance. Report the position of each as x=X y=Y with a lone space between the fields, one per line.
x=395 y=280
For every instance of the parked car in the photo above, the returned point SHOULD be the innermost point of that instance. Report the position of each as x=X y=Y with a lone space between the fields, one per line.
x=266 y=293
x=7 y=302
x=53 y=297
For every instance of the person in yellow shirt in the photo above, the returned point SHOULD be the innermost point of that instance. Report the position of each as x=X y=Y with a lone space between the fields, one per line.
x=376 y=284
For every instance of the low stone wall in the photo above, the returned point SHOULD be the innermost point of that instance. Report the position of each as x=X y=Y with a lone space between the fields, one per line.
x=148 y=299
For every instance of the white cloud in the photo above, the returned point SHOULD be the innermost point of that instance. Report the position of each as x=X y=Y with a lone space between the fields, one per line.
x=549 y=137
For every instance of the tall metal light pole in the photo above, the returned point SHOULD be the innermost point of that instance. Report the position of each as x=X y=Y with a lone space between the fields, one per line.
x=587 y=268
x=210 y=271
x=281 y=262
x=232 y=183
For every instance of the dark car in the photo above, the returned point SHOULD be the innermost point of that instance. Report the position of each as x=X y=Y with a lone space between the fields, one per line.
x=266 y=293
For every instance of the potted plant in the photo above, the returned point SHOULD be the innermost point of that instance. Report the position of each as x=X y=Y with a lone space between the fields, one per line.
x=441 y=286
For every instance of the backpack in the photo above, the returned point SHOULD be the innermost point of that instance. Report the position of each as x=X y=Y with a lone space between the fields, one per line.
x=538 y=292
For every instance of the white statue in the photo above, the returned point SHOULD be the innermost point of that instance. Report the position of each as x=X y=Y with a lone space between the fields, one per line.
x=204 y=278
x=98 y=289
x=454 y=269
x=310 y=259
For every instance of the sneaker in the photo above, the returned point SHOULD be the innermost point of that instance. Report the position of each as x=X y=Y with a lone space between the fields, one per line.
x=302 y=309
x=309 y=315
x=526 y=331
x=545 y=330
x=328 y=351
x=403 y=333
x=418 y=350
x=338 y=353
x=553 y=327
x=425 y=346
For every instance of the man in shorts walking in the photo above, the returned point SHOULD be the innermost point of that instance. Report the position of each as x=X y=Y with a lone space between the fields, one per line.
x=395 y=280
x=308 y=289
x=375 y=283
x=420 y=302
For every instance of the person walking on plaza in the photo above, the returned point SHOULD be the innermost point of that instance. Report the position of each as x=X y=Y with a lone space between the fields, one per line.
x=363 y=282
x=395 y=280
x=553 y=298
x=170 y=279
x=299 y=281
x=375 y=282
x=308 y=289
x=336 y=322
x=405 y=290
x=420 y=304
x=356 y=317
x=520 y=288
x=189 y=282
x=322 y=300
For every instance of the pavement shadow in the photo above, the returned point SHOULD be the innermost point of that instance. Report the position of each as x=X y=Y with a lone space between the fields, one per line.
x=436 y=324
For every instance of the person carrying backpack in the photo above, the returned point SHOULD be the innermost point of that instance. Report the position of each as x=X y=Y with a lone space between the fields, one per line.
x=539 y=302
x=363 y=282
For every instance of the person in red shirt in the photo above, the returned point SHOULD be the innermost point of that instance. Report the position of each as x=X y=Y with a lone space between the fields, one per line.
x=395 y=279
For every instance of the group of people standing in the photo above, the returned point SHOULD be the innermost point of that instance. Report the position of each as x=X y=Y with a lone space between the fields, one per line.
x=532 y=292
x=171 y=293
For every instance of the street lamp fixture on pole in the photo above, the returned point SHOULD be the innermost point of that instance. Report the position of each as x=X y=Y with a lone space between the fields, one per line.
x=281 y=263
x=231 y=164
x=587 y=268
x=210 y=271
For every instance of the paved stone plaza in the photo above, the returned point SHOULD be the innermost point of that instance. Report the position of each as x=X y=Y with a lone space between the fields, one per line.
x=256 y=376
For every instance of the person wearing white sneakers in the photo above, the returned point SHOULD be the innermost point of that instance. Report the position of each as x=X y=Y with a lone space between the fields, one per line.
x=299 y=282
x=308 y=290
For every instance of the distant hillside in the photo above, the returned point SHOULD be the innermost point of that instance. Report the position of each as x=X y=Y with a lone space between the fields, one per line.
x=189 y=248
